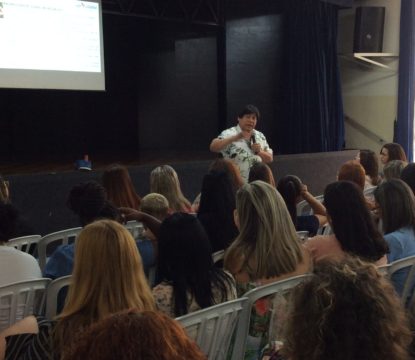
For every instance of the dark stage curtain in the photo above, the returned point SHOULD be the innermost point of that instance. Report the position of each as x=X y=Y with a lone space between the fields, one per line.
x=405 y=123
x=312 y=102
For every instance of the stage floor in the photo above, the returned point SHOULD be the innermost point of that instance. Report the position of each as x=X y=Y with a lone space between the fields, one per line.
x=100 y=163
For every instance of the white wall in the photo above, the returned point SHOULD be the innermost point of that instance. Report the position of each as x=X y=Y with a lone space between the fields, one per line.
x=369 y=92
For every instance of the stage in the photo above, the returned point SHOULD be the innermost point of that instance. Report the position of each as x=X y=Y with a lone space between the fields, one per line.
x=39 y=191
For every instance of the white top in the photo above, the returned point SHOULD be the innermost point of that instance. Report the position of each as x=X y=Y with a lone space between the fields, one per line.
x=15 y=266
x=240 y=151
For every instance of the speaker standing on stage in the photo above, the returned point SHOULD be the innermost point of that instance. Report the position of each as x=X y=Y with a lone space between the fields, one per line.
x=242 y=143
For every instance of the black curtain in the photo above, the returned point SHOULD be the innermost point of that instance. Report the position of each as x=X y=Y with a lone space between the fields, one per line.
x=312 y=107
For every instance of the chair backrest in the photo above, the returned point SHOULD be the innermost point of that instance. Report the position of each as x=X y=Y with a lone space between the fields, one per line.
x=135 y=228
x=48 y=244
x=212 y=328
x=408 y=267
x=27 y=244
x=21 y=299
x=304 y=208
x=253 y=295
x=218 y=255
x=302 y=235
x=52 y=295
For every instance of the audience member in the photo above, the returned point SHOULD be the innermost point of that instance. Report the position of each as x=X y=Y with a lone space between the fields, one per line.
x=293 y=192
x=217 y=203
x=352 y=171
x=354 y=229
x=133 y=335
x=346 y=311
x=189 y=281
x=408 y=176
x=397 y=211
x=261 y=171
x=119 y=187
x=88 y=200
x=108 y=277
x=393 y=169
x=15 y=265
x=266 y=250
x=157 y=206
x=370 y=162
x=392 y=151
x=164 y=180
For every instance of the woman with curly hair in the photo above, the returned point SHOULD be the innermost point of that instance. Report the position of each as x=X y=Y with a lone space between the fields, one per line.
x=164 y=181
x=392 y=151
x=134 y=335
x=347 y=311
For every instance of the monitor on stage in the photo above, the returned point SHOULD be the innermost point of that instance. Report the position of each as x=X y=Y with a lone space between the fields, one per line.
x=51 y=44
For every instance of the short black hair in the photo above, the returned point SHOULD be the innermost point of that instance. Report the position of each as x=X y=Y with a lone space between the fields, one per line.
x=248 y=110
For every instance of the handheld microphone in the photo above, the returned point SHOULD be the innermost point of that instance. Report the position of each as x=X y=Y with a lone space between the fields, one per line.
x=253 y=139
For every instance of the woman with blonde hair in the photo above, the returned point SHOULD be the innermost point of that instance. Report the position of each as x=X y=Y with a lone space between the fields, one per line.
x=266 y=250
x=164 y=180
x=267 y=247
x=108 y=277
x=119 y=187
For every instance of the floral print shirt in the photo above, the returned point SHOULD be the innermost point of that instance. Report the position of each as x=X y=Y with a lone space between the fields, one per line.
x=240 y=151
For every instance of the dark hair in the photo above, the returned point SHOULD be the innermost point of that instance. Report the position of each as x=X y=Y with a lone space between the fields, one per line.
x=353 y=171
x=408 y=176
x=248 y=110
x=346 y=311
x=395 y=152
x=217 y=203
x=261 y=171
x=134 y=335
x=369 y=161
x=185 y=261
x=89 y=201
x=290 y=189
x=397 y=205
x=8 y=221
x=119 y=187
x=231 y=169
x=352 y=222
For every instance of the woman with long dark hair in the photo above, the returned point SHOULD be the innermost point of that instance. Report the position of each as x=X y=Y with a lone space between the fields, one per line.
x=370 y=162
x=189 y=281
x=397 y=211
x=354 y=229
x=392 y=151
x=294 y=191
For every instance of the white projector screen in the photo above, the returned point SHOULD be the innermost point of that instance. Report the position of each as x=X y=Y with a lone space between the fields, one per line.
x=51 y=44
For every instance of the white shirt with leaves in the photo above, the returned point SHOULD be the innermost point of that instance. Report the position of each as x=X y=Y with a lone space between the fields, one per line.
x=240 y=151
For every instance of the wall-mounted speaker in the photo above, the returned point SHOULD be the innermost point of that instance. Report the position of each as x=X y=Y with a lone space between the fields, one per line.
x=368 y=29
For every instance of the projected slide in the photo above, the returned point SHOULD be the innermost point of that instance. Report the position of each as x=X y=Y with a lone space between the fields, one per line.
x=51 y=35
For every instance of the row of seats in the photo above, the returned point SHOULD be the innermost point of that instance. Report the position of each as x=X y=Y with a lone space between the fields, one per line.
x=211 y=328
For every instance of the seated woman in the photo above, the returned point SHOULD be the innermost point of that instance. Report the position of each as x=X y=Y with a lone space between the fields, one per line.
x=354 y=229
x=408 y=176
x=217 y=203
x=231 y=170
x=393 y=169
x=397 y=211
x=294 y=191
x=392 y=151
x=15 y=265
x=89 y=201
x=370 y=162
x=266 y=250
x=164 y=180
x=108 y=277
x=346 y=311
x=119 y=187
x=261 y=171
x=188 y=280
x=135 y=335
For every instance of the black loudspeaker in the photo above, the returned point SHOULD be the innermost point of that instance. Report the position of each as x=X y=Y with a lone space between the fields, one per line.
x=368 y=29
